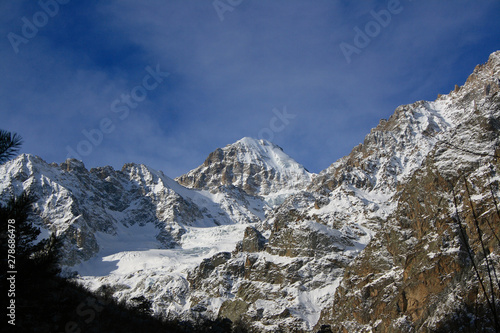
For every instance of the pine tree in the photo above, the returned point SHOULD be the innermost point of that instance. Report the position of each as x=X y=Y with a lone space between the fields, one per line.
x=9 y=145
x=18 y=209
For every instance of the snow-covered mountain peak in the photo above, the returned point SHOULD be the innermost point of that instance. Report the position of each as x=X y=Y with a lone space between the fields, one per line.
x=396 y=147
x=257 y=167
x=249 y=141
x=253 y=151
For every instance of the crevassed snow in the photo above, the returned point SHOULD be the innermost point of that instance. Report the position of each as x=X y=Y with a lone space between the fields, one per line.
x=133 y=254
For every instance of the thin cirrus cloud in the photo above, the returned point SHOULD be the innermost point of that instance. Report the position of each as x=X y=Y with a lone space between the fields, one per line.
x=228 y=77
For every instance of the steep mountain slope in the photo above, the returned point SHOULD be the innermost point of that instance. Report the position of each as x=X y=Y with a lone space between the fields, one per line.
x=138 y=231
x=81 y=205
x=258 y=167
x=417 y=274
x=317 y=232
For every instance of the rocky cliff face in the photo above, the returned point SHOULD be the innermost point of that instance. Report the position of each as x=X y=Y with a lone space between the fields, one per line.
x=417 y=273
x=409 y=276
x=398 y=236
x=80 y=205
x=257 y=167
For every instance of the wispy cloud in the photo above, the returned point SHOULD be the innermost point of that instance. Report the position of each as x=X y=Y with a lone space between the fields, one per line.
x=227 y=76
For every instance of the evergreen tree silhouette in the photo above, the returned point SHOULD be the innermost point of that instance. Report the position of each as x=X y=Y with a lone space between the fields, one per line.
x=10 y=143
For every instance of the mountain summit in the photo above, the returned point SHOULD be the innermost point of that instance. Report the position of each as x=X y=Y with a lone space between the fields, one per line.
x=258 y=167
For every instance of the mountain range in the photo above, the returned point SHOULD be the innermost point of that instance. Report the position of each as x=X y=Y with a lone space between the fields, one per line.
x=398 y=236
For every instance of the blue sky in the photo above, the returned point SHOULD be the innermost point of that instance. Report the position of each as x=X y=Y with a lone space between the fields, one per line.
x=164 y=83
